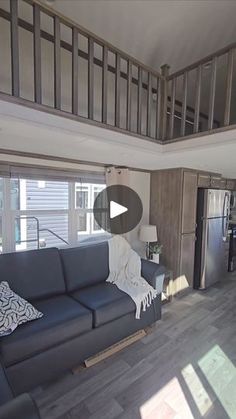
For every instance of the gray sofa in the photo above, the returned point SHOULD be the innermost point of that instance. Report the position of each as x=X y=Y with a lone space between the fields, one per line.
x=83 y=314
x=21 y=407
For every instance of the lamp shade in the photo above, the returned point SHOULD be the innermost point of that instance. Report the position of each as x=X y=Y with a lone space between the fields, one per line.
x=148 y=233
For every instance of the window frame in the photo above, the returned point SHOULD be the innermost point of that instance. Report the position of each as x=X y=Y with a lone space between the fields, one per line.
x=9 y=214
x=89 y=211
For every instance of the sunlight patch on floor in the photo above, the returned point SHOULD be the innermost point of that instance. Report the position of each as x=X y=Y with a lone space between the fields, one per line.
x=180 y=284
x=198 y=392
x=169 y=402
x=221 y=375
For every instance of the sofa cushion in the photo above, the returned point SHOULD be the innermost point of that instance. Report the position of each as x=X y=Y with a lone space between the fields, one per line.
x=63 y=319
x=85 y=265
x=33 y=274
x=106 y=301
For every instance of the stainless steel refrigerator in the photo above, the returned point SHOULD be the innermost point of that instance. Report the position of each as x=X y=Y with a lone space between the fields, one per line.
x=213 y=209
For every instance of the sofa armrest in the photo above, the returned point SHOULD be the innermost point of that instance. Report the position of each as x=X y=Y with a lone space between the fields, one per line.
x=151 y=271
x=6 y=393
x=22 y=407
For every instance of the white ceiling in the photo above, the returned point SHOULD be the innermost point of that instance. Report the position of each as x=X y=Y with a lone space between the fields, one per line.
x=30 y=131
x=177 y=32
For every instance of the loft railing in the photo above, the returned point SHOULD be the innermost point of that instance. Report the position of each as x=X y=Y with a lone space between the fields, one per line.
x=50 y=63
x=205 y=89
x=120 y=91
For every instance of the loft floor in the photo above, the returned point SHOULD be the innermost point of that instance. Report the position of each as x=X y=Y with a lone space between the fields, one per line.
x=184 y=368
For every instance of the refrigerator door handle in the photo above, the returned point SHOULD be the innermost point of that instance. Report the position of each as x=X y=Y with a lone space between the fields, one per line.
x=224 y=204
x=204 y=254
x=225 y=216
x=223 y=219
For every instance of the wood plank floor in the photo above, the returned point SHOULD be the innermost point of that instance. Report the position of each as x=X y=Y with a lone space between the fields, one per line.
x=184 y=368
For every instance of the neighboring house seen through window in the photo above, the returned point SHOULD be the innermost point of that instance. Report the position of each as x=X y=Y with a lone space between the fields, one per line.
x=85 y=195
x=46 y=213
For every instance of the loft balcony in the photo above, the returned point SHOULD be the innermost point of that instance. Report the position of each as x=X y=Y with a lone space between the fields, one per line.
x=51 y=64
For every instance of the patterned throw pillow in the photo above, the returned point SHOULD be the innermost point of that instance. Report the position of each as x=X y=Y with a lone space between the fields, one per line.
x=14 y=310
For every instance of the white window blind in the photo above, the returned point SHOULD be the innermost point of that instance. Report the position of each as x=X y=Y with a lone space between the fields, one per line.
x=45 y=173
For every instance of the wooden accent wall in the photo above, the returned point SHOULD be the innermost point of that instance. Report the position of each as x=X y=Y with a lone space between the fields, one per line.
x=165 y=212
x=173 y=202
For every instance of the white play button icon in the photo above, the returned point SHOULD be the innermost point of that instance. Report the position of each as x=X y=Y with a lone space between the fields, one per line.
x=116 y=209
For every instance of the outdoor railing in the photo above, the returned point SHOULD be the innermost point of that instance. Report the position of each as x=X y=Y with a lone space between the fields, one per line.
x=50 y=63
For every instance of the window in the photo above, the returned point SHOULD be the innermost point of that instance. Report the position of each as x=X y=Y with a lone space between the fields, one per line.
x=15 y=205
x=85 y=195
x=81 y=197
x=82 y=203
x=41 y=231
x=15 y=194
x=39 y=213
x=0 y=234
x=40 y=210
x=96 y=190
x=1 y=194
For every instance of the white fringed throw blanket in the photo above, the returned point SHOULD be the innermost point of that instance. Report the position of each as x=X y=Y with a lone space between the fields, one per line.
x=125 y=273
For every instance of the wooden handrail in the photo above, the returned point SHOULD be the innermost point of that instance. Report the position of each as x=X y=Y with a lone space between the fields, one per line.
x=76 y=51
x=197 y=99
x=48 y=37
x=203 y=61
x=156 y=98
x=70 y=23
x=37 y=56
x=229 y=81
x=172 y=108
x=212 y=59
x=14 y=49
x=75 y=80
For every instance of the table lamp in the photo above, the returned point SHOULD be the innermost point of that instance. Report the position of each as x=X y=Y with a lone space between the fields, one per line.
x=148 y=234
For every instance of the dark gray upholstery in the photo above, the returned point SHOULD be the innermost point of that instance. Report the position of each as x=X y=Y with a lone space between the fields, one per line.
x=49 y=364
x=85 y=265
x=22 y=407
x=82 y=313
x=33 y=274
x=5 y=389
x=63 y=319
x=106 y=301
x=150 y=271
